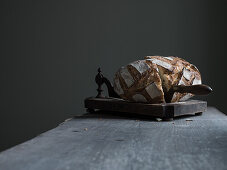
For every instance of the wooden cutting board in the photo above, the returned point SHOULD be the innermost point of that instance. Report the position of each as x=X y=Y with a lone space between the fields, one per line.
x=163 y=111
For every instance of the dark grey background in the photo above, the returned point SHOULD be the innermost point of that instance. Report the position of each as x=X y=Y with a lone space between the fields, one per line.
x=50 y=51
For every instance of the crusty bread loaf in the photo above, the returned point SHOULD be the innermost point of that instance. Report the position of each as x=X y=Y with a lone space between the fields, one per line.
x=148 y=80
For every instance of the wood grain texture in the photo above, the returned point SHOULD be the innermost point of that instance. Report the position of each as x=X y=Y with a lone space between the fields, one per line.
x=104 y=141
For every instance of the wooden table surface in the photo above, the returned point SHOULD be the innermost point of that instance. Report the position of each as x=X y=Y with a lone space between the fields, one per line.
x=113 y=142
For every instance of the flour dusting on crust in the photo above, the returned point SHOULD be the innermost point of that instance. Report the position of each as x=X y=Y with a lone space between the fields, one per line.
x=126 y=76
x=141 y=66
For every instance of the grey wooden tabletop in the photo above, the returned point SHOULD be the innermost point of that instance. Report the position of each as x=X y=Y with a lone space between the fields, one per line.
x=111 y=142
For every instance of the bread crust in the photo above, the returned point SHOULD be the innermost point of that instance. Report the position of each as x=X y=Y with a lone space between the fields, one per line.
x=148 y=80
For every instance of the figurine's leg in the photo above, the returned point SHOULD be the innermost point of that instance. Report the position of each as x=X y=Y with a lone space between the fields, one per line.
x=199 y=113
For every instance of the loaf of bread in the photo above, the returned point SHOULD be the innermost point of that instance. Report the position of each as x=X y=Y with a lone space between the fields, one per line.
x=148 y=80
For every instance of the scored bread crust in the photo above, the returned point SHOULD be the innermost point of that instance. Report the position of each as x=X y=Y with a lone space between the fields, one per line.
x=148 y=80
x=139 y=81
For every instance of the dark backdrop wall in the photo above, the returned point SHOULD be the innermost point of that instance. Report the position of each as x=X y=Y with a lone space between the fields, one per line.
x=50 y=51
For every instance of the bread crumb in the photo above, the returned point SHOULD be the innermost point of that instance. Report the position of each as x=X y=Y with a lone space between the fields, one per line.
x=158 y=119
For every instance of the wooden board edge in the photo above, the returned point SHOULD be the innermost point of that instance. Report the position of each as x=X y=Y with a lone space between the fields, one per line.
x=168 y=110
